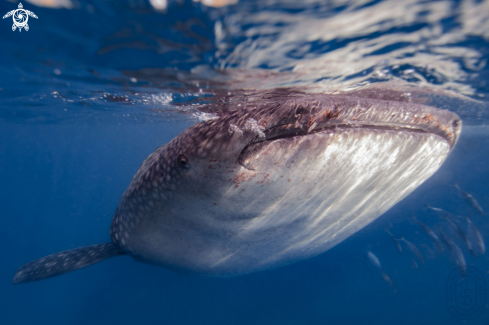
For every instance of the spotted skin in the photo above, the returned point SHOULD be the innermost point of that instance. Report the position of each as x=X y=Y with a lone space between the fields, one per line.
x=64 y=262
x=284 y=177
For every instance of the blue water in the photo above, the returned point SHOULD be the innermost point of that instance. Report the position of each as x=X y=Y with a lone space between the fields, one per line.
x=88 y=92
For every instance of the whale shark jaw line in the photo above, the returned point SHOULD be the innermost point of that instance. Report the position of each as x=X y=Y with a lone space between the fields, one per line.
x=400 y=117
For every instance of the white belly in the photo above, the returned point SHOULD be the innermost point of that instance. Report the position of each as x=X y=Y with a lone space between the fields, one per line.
x=294 y=205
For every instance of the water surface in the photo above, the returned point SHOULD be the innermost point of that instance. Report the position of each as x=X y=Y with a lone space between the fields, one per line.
x=95 y=86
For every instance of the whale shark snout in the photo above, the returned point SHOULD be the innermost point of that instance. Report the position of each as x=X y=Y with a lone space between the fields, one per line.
x=278 y=180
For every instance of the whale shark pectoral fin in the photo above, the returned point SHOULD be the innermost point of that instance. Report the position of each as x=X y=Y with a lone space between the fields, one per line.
x=64 y=262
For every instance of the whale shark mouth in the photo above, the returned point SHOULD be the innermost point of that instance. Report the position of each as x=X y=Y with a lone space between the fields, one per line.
x=276 y=132
x=333 y=167
x=366 y=115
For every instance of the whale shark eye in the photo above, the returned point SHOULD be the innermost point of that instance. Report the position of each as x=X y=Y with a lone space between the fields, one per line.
x=182 y=161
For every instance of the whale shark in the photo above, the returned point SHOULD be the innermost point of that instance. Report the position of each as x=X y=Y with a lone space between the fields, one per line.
x=274 y=180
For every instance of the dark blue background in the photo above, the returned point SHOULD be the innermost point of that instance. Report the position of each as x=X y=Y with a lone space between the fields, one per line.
x=64 y=165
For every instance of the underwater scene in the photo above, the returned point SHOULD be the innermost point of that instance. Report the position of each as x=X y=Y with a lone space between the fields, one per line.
x=244 y=162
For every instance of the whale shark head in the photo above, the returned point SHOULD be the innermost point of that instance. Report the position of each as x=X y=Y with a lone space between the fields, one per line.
x=278 y=179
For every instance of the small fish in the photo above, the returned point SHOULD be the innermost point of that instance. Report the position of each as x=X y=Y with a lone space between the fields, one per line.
x=457 y=254
x=474 y=233
x=462 y=235
x=445 y=239
x=395 y=240
x=430 y=252
x=414 y=249
x=415 y=265
x=388 y=279
x=375 y=261
x=459 y=258
x=367 y=266
x=441 y=213
x=470 y=201
x=429 y=232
